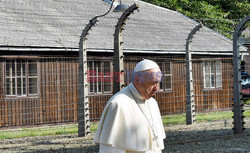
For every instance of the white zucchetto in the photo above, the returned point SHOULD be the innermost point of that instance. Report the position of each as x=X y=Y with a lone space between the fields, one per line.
x=145 y=65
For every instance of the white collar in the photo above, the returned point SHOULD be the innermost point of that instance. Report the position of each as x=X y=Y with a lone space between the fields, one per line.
x=135 y=93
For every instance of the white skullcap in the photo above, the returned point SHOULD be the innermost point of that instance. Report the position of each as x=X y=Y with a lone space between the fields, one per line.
x=145 y=65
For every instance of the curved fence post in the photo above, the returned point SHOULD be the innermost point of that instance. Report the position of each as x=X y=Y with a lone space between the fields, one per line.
x=83 y=103
x=237 y=97
x=118 y=82
x=190 y=105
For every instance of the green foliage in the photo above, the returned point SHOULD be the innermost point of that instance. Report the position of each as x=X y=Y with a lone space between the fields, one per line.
x=219 y=15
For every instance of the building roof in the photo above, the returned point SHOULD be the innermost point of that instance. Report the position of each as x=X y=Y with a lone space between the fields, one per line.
x=245 y=37
x=48 y=24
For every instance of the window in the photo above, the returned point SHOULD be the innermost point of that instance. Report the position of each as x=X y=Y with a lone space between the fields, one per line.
x=21 y=77
x=212 y=74
x=100 y=77
x=166 y=82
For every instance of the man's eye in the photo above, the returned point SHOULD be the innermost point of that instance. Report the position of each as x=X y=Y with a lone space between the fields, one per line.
x=155 y=83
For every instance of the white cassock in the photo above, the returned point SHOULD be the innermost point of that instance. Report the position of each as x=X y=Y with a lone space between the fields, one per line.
x=130 y=124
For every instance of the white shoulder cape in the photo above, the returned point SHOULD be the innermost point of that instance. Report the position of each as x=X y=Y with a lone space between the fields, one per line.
x=124 y=126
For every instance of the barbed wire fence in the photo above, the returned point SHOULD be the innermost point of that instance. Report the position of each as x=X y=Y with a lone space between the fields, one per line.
x=212 y=81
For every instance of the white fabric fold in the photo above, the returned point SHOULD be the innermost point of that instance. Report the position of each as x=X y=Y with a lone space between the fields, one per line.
x=123 y=125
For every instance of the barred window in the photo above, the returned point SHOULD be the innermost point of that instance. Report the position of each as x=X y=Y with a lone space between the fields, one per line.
x=212 y=74
x=166 y=82
x=100 y=77
x=21 y=77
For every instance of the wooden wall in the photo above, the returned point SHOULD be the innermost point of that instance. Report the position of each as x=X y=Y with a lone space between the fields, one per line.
x=59 y=86
x=57 y=102
x=213 y=99
x=174 y=101
x=97 y=104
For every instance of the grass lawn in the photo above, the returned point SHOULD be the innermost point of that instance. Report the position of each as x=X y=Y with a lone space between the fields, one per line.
x=200 y=117
x=43 y=131
x=73 y=128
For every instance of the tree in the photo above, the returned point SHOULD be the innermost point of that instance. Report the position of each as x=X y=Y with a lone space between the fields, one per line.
x=219 y=15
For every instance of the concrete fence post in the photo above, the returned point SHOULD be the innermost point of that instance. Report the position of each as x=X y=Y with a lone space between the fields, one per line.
x=238 y=104
x=118 y=82
x=190 y=105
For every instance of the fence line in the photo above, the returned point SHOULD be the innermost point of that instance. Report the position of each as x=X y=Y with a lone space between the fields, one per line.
x=58 y=87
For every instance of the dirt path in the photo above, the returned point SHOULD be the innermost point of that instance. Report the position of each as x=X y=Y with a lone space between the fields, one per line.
x=214 y=137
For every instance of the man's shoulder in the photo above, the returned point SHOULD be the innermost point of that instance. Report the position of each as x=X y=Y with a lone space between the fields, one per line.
x=124 y=93
x=152 y=102
x=121 y=97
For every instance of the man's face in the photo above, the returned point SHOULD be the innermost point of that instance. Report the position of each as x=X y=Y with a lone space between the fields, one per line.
x=149 y=82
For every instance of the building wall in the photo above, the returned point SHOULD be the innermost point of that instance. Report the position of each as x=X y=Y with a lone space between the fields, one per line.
x=217 y=98
x=58 y=96
x=57 y=99
x=246 y=60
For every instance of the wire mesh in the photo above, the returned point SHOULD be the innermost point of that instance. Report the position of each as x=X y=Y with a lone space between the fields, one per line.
x=55 y=98
x=160 y=38
x=245 y=69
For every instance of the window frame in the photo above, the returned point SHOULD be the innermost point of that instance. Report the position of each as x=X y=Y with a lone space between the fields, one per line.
x=20 y=76
x=162 y=85
x=213 y=74
x=100 y=77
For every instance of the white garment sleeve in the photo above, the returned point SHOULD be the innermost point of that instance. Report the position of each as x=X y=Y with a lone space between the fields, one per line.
x=109 y=149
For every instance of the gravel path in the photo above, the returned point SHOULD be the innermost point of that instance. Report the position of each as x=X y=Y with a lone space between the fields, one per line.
x=205 y=137
x=210 y=137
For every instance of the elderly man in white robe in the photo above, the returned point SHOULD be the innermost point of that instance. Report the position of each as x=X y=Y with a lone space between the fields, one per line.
x=131 y=121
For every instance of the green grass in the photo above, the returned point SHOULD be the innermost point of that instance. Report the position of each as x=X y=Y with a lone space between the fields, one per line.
x=247 y=102
x=174 y=119
x=73 y=128
x=247 y=113
x=39 y=131
x=200 y=117
x=43 y=131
